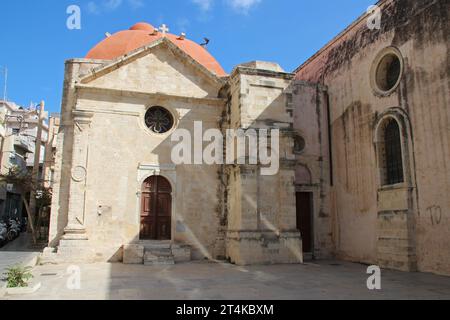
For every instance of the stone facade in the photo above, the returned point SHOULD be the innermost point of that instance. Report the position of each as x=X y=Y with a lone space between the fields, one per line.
x=106 y=152
x=332 y=114
x=262 y=221
x=404 y=226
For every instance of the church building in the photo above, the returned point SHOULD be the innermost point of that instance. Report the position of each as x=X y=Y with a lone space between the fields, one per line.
x=362 y=132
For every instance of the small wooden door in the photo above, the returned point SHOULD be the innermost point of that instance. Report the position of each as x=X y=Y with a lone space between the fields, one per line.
x=304 y=220
x=156 y=209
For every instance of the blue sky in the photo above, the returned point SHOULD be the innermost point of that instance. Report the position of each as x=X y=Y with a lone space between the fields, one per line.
x=35 y=42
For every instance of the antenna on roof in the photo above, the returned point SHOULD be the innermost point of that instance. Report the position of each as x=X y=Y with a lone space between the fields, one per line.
x=205 y=43
x=107 y=34
x=5 y=73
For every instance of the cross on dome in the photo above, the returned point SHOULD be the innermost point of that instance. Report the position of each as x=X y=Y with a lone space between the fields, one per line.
x=164 y=29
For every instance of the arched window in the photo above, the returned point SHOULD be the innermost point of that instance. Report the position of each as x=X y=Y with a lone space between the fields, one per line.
x=393 y=160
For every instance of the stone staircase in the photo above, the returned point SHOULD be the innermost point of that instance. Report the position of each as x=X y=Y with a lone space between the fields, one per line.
x=153 y=253
x=158 y=253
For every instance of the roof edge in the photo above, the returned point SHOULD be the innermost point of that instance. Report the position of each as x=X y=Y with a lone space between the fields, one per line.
x=338 y=37
x=124 y=59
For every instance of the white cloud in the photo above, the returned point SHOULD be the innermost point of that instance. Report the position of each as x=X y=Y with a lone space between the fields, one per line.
x=136 y=4
x=205 y=5
x=243 y=5
x=112 y=5
x=183 y=24
x=93 y=8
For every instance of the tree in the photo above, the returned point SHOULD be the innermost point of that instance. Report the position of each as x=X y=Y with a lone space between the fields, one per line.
x=24 y=182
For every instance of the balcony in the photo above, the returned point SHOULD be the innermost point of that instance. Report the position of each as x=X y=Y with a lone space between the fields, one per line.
x=23 y=143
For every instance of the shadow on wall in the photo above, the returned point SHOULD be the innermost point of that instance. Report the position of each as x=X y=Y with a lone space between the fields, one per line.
x=202 y=199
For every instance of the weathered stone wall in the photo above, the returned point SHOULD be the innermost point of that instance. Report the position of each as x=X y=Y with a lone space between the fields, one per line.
x=63 y=159
x=122 y=153
x=194 y=189
x=362 y=209
x=158 y=72
x=313 y=162
x=261 y=209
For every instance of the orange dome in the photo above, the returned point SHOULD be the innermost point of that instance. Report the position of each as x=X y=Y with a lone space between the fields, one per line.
x=143 y=26
x=142 y=34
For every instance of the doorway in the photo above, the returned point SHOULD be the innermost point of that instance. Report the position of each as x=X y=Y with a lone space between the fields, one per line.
x=156 y=209
x=305 y=220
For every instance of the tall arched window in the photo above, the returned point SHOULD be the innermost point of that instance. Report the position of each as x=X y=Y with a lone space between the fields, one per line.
x=393 y=153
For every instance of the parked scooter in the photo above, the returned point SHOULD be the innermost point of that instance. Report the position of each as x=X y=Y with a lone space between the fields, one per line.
x=14 y=230
x=3 y=234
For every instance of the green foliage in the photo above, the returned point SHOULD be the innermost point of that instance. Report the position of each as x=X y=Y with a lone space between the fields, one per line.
x=18 y=276
x=23 y=180
x=18 y=177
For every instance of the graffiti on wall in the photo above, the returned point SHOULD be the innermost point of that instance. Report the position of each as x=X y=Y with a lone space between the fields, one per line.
x=435 y=213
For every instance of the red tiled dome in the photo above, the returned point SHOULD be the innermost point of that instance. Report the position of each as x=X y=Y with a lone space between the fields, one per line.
x=141 y=34
x=143 y=26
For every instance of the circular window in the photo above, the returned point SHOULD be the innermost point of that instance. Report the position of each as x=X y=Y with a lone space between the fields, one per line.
x=387 y=71
x=159 y=120
x=299 y=144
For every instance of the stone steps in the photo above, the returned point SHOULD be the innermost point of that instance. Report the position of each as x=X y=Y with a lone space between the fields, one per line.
x=158 y=254
x=152 y=258
x=153 y=253
x=156 y=245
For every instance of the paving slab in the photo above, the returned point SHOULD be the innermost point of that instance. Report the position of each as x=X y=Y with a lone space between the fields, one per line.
x=221 y=281
x=17 y=252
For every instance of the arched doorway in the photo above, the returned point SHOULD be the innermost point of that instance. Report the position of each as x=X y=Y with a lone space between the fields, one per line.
x=156 y=209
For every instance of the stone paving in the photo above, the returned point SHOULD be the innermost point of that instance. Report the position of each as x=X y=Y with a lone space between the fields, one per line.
x=10 y=259
x=217 y=281
x=17 y=252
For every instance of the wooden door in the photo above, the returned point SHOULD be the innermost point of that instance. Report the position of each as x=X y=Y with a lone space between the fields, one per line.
x=304 y=220
x=156 y=209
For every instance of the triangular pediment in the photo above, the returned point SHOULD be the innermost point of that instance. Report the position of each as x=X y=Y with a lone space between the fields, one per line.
x=160 y=67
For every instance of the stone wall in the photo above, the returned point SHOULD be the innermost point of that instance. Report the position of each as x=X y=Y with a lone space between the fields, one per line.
x=261 y=209
x=364 y=212
x=121 y=153
x=313 y=160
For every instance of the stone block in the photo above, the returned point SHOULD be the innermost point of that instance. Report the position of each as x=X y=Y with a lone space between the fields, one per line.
x=151 y=259
x=133 y=254
x=181 y=253
x=248 y=248
x=393 y=200
x=23 y=291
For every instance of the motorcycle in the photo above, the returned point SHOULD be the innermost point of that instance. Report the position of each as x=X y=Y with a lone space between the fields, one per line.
x=14 y=230
x=3 y=233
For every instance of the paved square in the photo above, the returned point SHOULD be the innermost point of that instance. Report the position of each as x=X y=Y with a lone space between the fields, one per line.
x=204 y=280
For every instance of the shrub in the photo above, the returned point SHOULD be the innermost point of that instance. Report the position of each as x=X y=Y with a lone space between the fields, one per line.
x=18 y=276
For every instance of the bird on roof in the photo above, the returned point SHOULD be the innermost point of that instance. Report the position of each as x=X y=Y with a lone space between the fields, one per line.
x=205 y=43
